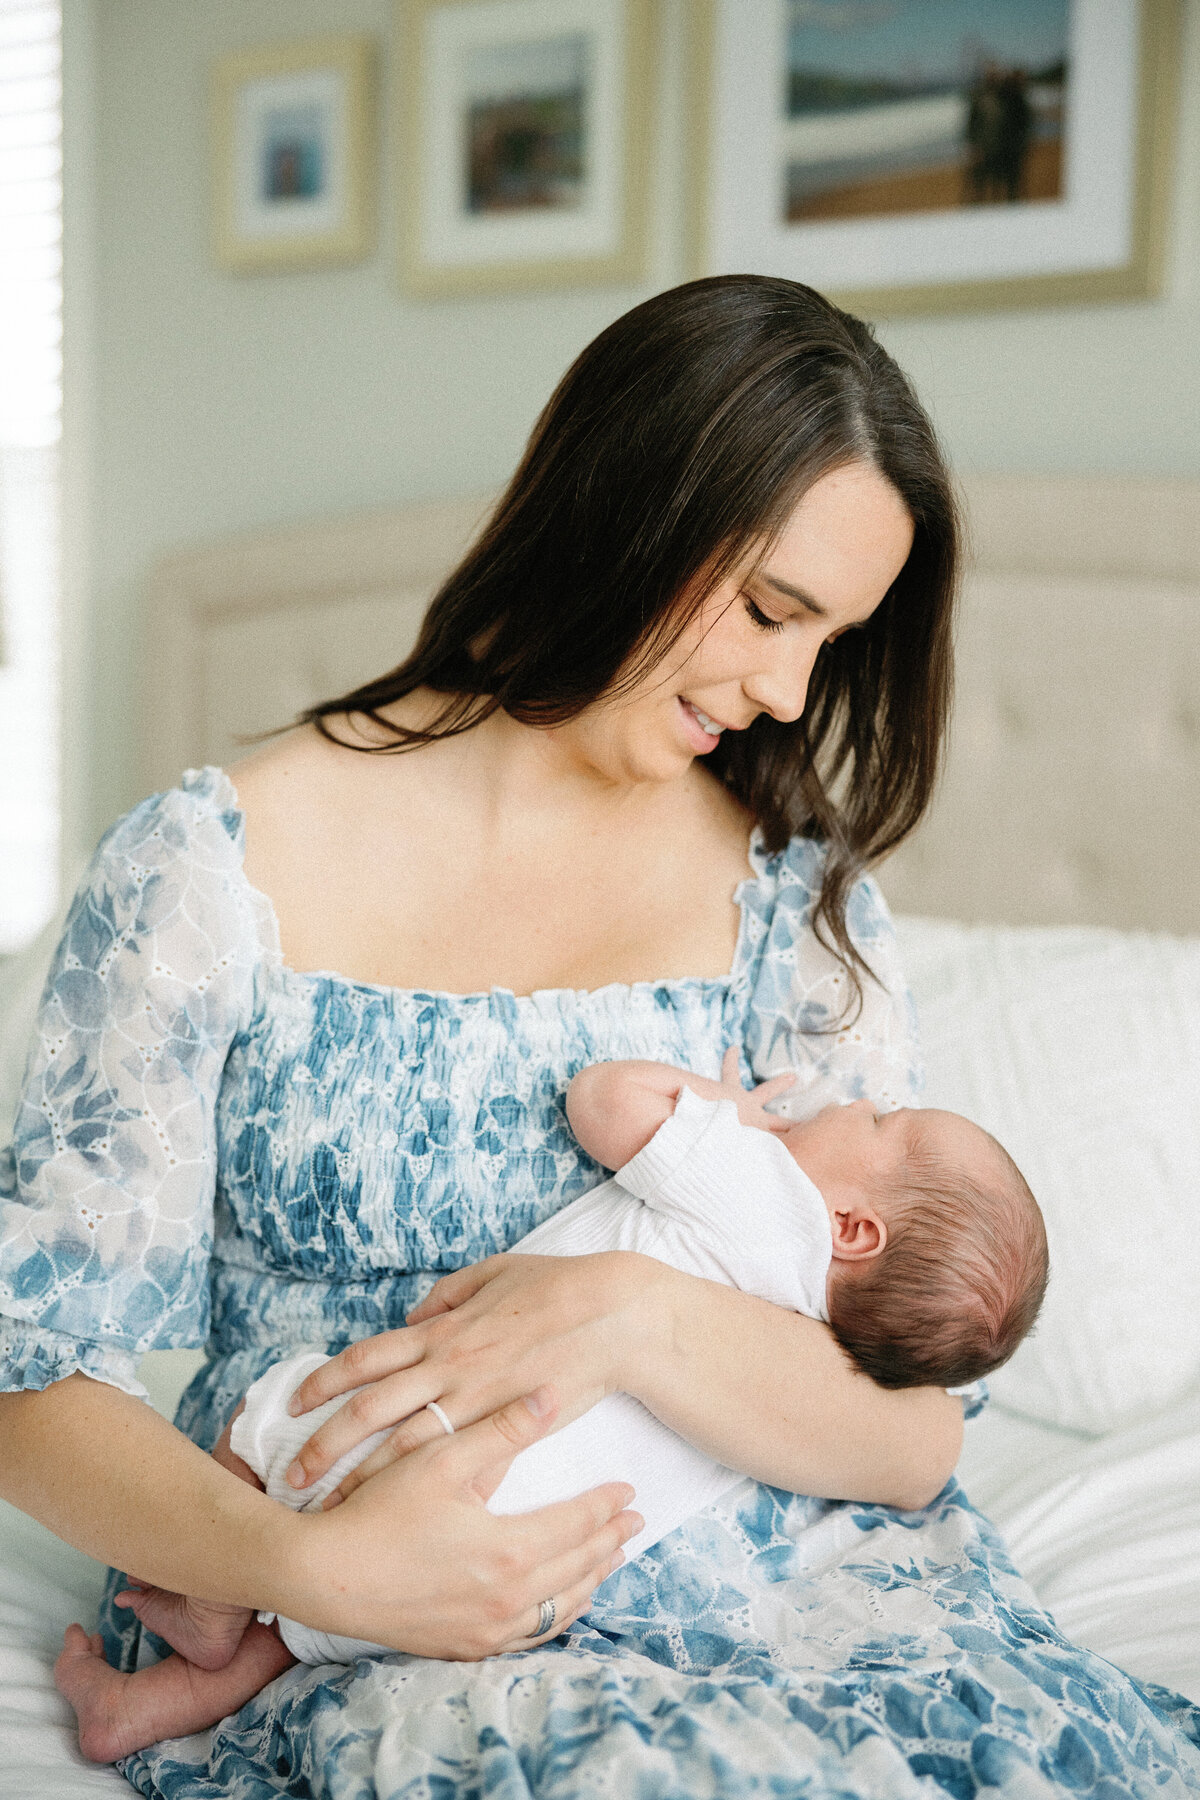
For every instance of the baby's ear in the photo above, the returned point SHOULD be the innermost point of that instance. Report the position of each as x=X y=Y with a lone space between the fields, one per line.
x=858 y=1232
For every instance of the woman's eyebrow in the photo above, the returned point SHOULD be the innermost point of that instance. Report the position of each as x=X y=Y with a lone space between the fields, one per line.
x=795 y=593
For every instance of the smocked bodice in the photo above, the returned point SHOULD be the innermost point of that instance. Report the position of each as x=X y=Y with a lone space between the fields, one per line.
x=213 y=1145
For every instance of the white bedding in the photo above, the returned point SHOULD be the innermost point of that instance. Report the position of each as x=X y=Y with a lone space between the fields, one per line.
x=1107 y=1530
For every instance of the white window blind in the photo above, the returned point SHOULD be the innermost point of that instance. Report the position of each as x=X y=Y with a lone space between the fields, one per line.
x=30 y=430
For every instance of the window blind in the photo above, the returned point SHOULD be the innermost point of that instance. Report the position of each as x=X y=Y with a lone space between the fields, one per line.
x=30 y=431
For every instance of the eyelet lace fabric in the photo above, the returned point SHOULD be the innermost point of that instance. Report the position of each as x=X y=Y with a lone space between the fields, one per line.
x=212 y=1148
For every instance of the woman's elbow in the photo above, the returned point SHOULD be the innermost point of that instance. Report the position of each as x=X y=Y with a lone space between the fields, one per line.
x=933 y=1448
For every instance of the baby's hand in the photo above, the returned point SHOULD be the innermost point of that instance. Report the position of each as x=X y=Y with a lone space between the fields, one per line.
x=752 y=1102
x=206 y=1632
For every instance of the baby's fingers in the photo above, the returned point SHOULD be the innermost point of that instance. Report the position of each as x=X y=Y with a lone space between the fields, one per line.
x=778 y=1084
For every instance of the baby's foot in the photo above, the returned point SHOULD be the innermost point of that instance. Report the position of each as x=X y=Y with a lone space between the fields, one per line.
x=100 y=1696
x=207 y=1632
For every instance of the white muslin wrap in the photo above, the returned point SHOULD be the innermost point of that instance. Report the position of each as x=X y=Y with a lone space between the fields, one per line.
x=709 y=1196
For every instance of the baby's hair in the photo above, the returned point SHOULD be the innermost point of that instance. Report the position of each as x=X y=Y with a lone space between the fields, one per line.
x=959 y=1284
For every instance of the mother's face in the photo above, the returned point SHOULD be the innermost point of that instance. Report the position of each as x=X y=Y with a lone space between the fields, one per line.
x=751 y=647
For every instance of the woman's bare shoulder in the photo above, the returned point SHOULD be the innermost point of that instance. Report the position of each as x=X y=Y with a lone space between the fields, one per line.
x=329 y=832
x=306 y=779
x=289 y=776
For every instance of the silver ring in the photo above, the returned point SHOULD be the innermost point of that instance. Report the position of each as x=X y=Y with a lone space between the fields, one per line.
x=441 y=1418
x=547 y=1614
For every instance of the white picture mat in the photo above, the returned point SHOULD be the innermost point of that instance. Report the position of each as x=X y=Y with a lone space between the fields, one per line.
x=1089 y=229
x=451 y=236
x=257 y=99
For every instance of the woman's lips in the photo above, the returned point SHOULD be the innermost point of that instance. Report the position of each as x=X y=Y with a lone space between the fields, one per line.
x=701 y=739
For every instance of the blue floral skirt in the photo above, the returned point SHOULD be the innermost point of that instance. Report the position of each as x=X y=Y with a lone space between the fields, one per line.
x=773 y=1646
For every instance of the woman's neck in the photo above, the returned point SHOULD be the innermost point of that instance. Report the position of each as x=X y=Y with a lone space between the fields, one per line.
x=571 y=776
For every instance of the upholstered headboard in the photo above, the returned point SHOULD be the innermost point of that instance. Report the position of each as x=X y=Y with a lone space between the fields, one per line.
x=1072 y=790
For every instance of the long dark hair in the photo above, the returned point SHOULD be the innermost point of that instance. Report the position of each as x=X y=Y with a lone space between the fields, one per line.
x=683 y=436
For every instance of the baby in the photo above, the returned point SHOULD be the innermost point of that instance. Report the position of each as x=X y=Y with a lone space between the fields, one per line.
x=912 y=1233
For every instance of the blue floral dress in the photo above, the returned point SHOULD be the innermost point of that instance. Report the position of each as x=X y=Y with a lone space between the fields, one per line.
x=213 y=1149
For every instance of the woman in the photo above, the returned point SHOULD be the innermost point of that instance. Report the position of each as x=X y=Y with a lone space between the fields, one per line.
x=692 y=679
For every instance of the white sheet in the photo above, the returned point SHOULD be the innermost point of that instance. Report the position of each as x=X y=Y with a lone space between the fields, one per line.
x=44 y=1585
x=1107 y=1530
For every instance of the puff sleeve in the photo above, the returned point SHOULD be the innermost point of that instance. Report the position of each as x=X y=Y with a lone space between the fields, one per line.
x=106 y=1191
x=800 y=992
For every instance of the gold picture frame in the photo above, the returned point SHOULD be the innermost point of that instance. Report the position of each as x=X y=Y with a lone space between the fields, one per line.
x=1154 y=32
x=524 y=143
x=293 y=153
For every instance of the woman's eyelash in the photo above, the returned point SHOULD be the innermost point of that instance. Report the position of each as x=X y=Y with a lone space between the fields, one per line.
x=760 y=618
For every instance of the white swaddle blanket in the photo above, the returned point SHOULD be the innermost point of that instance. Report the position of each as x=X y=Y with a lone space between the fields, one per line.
x=709 y=1196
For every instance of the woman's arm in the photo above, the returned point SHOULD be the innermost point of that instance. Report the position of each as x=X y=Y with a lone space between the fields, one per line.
x=771 y=1393
x=761 y=1389
x=108 y=1474
x=415 y=1560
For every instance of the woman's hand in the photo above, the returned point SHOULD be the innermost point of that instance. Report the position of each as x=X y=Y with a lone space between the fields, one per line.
x=416 y=1561
x=481 y=1338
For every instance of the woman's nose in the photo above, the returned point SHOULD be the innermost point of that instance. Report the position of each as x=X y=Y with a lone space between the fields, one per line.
x=782 y=687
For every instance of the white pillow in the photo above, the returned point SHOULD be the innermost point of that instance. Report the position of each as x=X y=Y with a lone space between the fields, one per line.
x=1080 y=1050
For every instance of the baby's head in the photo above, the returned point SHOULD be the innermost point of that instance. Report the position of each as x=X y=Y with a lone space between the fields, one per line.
x=939 y=1250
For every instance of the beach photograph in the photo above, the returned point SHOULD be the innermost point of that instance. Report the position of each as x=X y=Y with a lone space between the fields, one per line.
x=526 y=124
x=910 y=106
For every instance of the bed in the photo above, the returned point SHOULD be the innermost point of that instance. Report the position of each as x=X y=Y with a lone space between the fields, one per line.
x=1050 y=920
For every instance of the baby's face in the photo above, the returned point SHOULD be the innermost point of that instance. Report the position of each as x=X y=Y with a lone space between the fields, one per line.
x=857 y=1154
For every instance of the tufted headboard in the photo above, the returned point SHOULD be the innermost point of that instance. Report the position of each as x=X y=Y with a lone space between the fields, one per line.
x=1072 y=788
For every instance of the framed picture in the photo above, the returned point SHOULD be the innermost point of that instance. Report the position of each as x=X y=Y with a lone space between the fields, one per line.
x=292 y=154
x=524 y=142
x=935 y=155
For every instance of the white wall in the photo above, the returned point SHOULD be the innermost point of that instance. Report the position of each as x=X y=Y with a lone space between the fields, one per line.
x=214 y=402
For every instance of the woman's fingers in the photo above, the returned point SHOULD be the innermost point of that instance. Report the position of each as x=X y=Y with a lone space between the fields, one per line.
x=483 y=1452
x=452 y=1290
x=569 y=1605
x=603 y=1550
x=422 y=1428
x=366 y=1361
x=470 y=1583
x=592 y=1529
x=561 y=1542
x=367 y=1411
